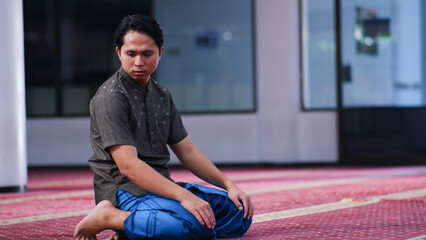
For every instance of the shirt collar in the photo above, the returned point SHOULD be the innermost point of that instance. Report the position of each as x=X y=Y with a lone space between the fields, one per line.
x=132 y=82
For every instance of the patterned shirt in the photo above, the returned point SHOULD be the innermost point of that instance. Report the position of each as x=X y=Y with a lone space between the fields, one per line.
x=124 y=113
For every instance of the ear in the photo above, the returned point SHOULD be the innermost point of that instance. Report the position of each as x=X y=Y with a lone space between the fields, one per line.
x=118 y=52
x=161 y=52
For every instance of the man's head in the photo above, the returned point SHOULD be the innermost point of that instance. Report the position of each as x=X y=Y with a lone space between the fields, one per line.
x=142 y=24
x=139 y=47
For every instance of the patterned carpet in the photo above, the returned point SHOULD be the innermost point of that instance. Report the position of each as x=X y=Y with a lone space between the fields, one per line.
x=290 y=202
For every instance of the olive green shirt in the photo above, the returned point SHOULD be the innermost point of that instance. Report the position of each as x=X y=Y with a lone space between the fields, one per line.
x=124 y=113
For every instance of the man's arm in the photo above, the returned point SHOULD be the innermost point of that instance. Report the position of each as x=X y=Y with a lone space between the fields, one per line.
x=150 y=180
x=196 y=162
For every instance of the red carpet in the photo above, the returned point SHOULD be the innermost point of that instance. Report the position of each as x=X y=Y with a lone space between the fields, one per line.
x=291 y=203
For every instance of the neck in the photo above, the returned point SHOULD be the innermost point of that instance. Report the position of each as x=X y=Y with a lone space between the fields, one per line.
x=144 y=82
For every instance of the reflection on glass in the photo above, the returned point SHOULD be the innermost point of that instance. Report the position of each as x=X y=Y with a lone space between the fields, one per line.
x=208 y=58
x=318 y=49
x=380 y=49
x=368 y=29
x=69 y=51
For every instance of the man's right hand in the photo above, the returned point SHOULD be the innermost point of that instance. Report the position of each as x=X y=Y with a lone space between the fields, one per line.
x=199 y=208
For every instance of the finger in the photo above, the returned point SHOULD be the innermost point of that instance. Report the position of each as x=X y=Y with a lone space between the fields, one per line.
x=206 y=218
x=210 y=215
x=198 y=217
x=247 y=206
x=246 y=203
x=251 y=212
x=237 y=203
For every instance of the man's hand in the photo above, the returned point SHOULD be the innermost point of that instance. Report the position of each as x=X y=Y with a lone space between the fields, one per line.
x=131 y=166
x=196 y=162
x=237 y=195
x=199 y=208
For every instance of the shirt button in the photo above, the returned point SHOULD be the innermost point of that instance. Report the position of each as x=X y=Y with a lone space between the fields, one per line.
x=152 y=133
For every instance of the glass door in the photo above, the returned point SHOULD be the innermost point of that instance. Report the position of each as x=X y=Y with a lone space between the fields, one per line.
x=382 y=114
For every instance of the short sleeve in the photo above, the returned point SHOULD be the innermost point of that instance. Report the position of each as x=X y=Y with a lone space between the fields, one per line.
x=112 y=115
x=177 y=129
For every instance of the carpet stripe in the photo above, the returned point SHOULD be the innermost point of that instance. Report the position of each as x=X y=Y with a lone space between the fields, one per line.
x=242 y=177
x=343 y=204
x=44 y=217
x=330 y=182
x=418 y=238
x=311 y=184
x=56 y=183
x=48 y=196
x=316 y=183
x=287 y=173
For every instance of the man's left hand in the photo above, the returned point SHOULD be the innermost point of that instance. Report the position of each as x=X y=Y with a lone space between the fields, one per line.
x=237 y=196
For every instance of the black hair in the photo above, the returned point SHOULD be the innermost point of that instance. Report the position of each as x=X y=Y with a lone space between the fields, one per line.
x=142 y=24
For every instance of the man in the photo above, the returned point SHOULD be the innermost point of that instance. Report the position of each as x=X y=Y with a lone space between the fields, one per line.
x=133 y=119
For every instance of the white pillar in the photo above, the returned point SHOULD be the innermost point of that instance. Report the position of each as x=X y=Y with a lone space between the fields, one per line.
x=13 y=159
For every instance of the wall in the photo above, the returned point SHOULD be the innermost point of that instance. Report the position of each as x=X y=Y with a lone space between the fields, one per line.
x=286 y=134
x=279 y=132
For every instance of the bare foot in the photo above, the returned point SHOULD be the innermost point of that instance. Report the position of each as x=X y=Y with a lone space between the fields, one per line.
x=118 y=236
x=96 y=221
x=114 y=237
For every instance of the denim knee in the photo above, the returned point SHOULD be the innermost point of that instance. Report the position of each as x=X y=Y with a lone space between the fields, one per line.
x=156 y=224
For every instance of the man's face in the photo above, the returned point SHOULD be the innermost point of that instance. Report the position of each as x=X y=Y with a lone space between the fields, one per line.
x=139 y=56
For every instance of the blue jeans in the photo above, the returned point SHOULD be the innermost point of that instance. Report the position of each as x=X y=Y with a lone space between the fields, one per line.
x=156 y=217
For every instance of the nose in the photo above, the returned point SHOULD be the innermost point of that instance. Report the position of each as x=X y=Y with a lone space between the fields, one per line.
x=139 y=61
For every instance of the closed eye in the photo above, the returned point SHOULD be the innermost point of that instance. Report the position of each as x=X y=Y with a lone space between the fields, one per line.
x=131 y=53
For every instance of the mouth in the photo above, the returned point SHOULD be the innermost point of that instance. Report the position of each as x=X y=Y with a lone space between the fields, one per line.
x=139 y=72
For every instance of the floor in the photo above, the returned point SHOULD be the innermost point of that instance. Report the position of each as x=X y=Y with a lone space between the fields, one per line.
x=291 y=202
